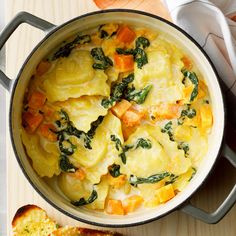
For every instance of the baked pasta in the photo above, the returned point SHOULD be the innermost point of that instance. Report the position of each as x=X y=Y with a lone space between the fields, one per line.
x=118 y=117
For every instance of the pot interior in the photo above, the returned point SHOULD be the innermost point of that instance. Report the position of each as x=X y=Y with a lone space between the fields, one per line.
x=52 y=40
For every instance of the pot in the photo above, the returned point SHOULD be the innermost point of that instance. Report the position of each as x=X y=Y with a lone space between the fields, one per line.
x=54 y=36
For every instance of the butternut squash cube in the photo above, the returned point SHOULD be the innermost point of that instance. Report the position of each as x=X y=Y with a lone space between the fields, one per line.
x=131 y=203
x=115 y=207
x=165 y=193
x=120 y=108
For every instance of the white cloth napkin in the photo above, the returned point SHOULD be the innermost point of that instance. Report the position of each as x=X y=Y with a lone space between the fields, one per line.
x=209 y=23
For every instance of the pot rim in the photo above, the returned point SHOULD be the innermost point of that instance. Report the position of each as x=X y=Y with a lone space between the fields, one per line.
x=13 y=89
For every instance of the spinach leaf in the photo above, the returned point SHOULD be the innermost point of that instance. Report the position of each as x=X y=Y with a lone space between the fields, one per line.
x=168 y=129
x=65 y=164
x=65 y=145
x=137 y=96
x=65 y=50
x=94 y=126
x=185 y=147
x=141 y=142
x=69 y=129
x=134 y=180
x=189 y=112
x=193 y=78
x=82 y=201
x=194 y=172
x=144 y=143
x=125 y=51
x=172 y=179
x=117 y=91
x=114 y=170
x=104 y=33
x=117 y=142
x=142 y=42
x=102 y=62
x=120 y=147
x=140 y=57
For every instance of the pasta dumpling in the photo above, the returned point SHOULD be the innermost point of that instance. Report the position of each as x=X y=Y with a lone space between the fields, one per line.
x=73 y=77
x=103 y=152
x=163 y=71
x=74 y=188
x=45 y=163
x=83 y=111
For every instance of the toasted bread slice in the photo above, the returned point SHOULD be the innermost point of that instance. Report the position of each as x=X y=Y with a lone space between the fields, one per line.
x=32 y=220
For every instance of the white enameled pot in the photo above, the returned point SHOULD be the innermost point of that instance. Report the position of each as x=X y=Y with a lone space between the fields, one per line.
x=54 y=36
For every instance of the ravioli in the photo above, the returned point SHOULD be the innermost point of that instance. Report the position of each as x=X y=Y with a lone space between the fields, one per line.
x=163 y=74
x=73 y=77
x=83 y=111
x=74 y=188
x=103 y=152
x=45 y=163
x=162 y=156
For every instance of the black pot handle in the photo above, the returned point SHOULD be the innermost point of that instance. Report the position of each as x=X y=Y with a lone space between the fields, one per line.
x=22 y=17
x=226 y=205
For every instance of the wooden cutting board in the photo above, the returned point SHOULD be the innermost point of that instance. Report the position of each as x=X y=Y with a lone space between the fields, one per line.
x=20 y=192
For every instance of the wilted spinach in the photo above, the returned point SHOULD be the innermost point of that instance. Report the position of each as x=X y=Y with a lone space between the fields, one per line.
x=104 y=33
x=134 y=180
x=82 y=201
x=189 y=112
x=68 y=129
x=168 y=129
x=114 y=170
x=65 y=50
x=65 y=164
x=194 y=172
x=117 y=91
x=137 y=96
x=141 y=142
x=101 y=62
x=185 y=147
x=193 y=78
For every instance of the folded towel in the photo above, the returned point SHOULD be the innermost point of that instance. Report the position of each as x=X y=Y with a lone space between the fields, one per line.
x=212 y=24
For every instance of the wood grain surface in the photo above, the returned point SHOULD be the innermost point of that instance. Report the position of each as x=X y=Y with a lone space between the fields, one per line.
x=20 y=191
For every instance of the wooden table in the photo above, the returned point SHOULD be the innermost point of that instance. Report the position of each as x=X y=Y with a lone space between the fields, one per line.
x=20 y=191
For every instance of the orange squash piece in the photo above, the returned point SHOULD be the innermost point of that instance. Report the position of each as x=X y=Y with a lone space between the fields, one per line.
x=37 y=100
x=124 y=63
x=165 y=111
x=132 y=117
x=116 y=182
x=120 y=108
x=115 y=207
x=45 y=130
x=127 y=131
x=187 y=62
x=165 y=193
x=131 y=203
x=126 y=35
x=31 y=121
x=42 y=67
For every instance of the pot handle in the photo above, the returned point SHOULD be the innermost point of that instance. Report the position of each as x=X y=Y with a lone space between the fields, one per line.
x=226 y=205
x=22 y=17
